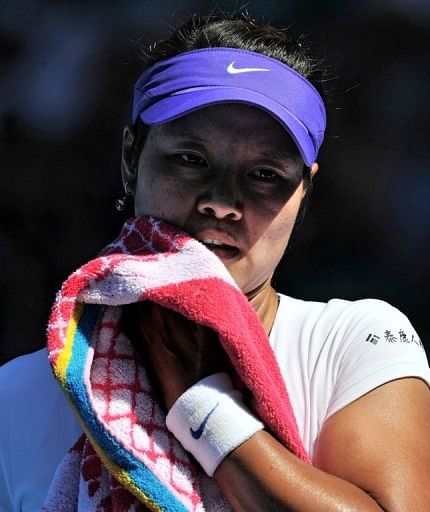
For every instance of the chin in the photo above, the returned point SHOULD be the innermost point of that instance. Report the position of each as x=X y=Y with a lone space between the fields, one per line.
x=242 y=282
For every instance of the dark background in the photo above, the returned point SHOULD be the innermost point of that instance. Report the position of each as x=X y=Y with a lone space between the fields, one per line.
x=66 y=76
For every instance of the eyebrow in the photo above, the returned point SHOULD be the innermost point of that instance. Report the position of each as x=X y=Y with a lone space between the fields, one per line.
x=193 y=137
x=279 y=155
x=184 y=134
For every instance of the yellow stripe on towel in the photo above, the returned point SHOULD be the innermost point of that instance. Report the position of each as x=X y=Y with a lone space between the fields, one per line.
x=65 y=355
x=60 y=370
x=122 y=476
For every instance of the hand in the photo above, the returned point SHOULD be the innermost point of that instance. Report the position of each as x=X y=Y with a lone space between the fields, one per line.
x=177 y=352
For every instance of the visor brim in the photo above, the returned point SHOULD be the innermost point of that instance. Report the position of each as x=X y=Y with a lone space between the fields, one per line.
x=172 y=107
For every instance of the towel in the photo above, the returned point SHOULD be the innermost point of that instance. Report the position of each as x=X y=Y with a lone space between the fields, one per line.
x=127 y=460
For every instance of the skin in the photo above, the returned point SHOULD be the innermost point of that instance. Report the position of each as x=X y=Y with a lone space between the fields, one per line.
x=228 y=187
x=232 y=173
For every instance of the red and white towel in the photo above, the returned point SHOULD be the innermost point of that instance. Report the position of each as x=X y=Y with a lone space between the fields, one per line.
x=128 y=460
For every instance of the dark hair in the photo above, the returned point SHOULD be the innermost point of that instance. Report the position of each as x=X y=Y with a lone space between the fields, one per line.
x=242 y=32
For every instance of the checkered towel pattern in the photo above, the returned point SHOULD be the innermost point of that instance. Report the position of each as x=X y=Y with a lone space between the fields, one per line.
x=127 y=460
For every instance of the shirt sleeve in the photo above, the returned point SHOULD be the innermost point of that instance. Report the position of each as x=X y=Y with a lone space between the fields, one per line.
x=6 y=504
x=377 y=344
x=37 y=427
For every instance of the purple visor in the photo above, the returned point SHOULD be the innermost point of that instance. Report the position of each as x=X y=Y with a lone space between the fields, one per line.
x=179 y=85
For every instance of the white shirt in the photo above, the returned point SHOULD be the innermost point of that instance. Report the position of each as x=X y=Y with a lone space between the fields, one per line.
x=329 y=355
x=332 y=353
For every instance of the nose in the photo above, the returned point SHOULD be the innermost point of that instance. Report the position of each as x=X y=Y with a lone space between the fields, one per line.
x=219 y=206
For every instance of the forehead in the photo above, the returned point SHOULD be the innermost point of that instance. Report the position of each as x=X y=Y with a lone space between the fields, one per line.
x=231 y=122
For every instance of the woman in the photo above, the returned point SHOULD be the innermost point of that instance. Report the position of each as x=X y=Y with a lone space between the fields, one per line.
x=224 y=142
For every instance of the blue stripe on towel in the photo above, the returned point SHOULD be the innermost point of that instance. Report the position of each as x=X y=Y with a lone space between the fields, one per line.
x=144 y=479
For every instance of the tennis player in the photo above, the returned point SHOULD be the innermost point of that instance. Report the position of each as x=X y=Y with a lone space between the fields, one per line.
x=228 y=119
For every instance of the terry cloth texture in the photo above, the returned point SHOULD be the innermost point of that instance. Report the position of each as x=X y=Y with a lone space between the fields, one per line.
x=128 y=459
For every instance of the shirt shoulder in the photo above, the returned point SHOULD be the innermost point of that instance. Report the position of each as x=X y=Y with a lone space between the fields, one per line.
x=17 y=374
x=358 y=345
x=375 y=343
x=339 y=321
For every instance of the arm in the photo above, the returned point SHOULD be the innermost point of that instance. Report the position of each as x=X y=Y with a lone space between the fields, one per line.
x=368 y=446
x=263 y=475
x=382 y=444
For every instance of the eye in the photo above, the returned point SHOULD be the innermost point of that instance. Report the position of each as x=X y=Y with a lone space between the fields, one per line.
x=190 y=159
x=266 y=175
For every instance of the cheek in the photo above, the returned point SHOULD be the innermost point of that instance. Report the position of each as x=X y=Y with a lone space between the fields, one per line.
x=275 y=239
x=275 y=219
x=161 y=199
x=159 y=194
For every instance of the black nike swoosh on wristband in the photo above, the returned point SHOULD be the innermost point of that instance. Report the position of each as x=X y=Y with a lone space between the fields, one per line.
x=197 y=434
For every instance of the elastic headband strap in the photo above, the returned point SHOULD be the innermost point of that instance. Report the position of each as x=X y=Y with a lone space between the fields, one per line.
x=178 y=85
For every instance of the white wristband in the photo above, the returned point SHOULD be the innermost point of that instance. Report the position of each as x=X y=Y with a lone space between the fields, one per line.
x=210 y=420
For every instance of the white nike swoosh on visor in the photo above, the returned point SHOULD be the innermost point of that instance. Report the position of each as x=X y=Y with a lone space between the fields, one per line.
x=231 y=69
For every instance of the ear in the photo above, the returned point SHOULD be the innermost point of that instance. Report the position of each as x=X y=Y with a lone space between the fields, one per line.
x=313 y=170
x=128 y=172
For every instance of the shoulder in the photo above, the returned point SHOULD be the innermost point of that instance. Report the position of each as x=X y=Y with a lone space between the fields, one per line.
x=28 y=390
x=332 y=312
x=27 y=362
x=333 y=307
x=349 y=319
x=352 y=347
x=370 y=326
x=25 y=374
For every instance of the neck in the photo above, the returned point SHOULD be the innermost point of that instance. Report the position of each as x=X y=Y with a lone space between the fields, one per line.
x=265 y=302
